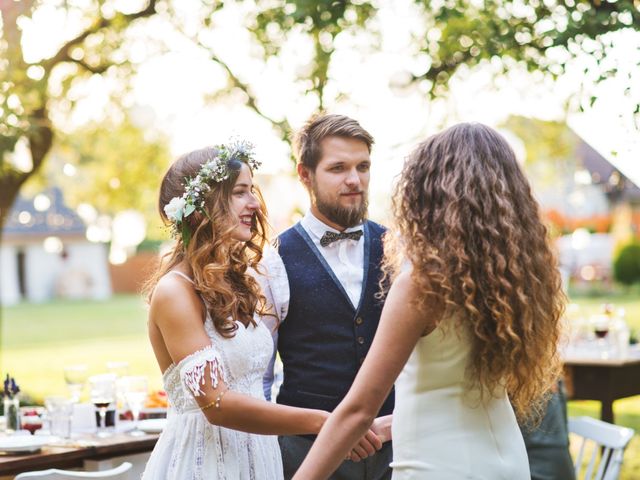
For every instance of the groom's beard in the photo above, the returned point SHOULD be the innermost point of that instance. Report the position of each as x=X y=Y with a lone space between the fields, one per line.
x=346 y=217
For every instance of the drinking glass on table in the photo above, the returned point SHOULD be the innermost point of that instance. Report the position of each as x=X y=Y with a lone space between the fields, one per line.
x=75 y=376
x=134 y=390
x=119 y=369
x=59 y=412
x=103 y=394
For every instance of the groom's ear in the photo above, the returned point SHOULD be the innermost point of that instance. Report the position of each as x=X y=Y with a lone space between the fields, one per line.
x=304 y=174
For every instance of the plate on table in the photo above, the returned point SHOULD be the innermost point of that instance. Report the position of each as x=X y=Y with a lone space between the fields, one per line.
x=153 y=412
x=152 y=425
x=14 y=444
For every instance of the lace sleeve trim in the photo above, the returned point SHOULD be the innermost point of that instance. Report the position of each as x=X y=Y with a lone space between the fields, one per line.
x=192 y=369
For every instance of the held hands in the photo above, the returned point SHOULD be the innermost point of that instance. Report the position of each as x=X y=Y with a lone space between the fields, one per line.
x=369 y=444
x=380 y=432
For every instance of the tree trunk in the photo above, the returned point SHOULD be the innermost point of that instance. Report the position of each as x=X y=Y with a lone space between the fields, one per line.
x=9 y=188
x=11 y=181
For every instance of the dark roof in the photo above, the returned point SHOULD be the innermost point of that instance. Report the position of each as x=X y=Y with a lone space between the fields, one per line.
x=616 y=186
x=58 y=219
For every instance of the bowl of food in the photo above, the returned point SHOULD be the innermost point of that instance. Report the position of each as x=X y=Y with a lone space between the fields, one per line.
x=156 y=405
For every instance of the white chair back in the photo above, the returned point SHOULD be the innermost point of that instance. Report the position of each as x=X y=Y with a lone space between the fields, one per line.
x=610 y=440
x=118 y=473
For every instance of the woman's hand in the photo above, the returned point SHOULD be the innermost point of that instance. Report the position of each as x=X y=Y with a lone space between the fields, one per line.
x=369 y=444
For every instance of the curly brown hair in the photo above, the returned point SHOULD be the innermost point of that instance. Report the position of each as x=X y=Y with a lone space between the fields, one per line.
x=468 y=223
x=219 y=263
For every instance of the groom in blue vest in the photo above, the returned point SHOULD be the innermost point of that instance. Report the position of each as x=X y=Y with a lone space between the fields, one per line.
x=323 y=282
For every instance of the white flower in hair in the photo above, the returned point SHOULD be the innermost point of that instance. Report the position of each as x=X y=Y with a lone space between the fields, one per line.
x=175 y=209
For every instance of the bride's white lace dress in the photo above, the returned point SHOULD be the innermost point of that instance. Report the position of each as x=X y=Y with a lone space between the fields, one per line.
x=190 y=448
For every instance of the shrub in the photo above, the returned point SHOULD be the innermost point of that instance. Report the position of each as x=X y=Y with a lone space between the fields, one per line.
x=626 y=267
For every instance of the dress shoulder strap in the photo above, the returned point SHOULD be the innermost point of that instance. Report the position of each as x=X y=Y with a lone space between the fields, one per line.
x=182 y=275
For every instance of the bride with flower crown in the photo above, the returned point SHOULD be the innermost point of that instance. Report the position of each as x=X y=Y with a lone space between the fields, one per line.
x=206 y=330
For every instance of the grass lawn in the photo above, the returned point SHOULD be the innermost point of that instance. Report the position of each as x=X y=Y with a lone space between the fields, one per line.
x=39 y=340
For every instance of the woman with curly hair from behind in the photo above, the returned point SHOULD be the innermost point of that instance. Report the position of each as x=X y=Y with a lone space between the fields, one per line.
x=471 y=322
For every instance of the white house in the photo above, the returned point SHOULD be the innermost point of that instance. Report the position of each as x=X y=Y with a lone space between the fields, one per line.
x=45 y=254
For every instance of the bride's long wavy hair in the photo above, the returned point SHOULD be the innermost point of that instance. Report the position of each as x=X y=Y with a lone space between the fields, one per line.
x=467 y=221
x=219 y=262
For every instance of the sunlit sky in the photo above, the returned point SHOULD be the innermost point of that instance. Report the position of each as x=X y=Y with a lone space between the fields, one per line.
x=170 y=90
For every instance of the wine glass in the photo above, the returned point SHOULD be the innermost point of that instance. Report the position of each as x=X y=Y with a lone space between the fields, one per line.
x=118 y=368
x=103 y=394
x=135 y=391
x=75 y=377
x=31 y=418
x=601 y=324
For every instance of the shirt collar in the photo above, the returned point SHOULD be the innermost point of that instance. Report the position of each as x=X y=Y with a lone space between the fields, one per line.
x=316 y=227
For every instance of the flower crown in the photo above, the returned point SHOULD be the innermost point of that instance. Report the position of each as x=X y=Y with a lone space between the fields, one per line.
x=215 y=170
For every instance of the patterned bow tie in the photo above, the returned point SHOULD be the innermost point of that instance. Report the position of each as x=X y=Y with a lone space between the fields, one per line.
x=329 y=237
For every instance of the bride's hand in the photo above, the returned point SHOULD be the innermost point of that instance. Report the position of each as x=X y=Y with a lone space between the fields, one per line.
x=369 y=444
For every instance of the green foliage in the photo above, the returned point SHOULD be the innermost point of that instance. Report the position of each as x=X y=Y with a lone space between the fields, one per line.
x=118 y=167
x=322 y=21
x=37 y=96
x=530 y=34
x=31 y=88
x=626 y=266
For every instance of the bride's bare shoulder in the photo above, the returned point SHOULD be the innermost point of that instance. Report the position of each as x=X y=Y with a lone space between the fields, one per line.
x=175 y=299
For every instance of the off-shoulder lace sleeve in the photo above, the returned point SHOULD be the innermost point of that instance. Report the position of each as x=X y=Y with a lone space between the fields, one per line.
x=192 y=369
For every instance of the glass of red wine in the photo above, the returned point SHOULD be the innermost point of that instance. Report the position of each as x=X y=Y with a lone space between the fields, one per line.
x=31 y=418
x=601 y=331
x=103 y=394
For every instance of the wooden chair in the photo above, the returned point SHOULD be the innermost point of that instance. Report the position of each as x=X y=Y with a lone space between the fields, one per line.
x=118 y=473
x=610 y=440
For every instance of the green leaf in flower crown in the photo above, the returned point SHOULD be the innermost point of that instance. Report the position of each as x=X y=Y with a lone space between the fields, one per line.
x=186 y=234
x=189 y=209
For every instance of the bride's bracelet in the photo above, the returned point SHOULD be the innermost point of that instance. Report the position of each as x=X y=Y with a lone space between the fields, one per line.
x=216 y=402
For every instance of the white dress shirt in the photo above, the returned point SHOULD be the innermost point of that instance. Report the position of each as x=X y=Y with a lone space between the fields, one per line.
x=344 y=257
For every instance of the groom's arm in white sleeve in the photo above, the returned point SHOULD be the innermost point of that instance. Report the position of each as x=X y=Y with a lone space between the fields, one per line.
x=275 y=287
x=268 y=378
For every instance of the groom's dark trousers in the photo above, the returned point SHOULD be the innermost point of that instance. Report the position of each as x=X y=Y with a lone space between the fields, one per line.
x=294 y=448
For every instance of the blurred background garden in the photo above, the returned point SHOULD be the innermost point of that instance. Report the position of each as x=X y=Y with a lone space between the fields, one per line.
x=98 y=96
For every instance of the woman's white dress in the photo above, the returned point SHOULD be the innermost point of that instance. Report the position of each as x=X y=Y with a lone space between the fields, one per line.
x=443 y=430
x=190 y=448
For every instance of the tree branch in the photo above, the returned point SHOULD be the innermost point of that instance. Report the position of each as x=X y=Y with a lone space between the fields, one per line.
x=282 y=127
x=98 y=69
x=63 y=53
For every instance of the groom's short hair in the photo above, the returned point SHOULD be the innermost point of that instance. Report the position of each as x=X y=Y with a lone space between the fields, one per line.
x=306 y=145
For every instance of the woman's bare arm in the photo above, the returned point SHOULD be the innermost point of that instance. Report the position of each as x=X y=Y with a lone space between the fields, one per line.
x=399 y=330
x=177 y=312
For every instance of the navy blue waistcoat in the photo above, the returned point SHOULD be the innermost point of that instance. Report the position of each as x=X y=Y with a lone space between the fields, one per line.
x=323 y=339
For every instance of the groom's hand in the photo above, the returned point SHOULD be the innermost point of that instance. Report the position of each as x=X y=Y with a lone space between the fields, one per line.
x=369 y=444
